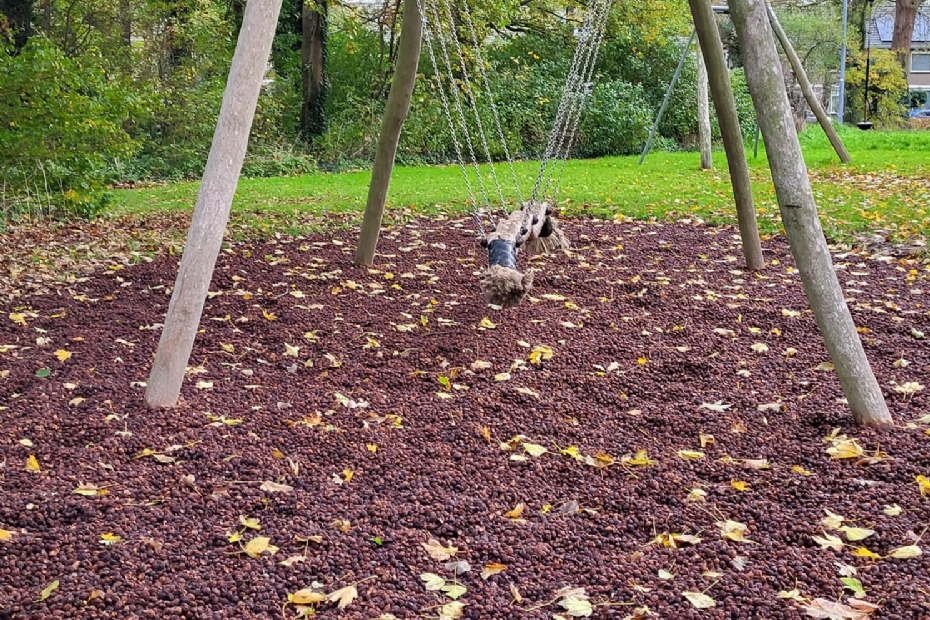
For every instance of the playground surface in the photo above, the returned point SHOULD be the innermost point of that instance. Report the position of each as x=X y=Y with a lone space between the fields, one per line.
x=655 y=433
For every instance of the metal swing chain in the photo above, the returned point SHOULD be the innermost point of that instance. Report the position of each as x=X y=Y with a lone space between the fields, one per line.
x=582 y=89
x=585 y=93
x=487 y=85
x=470 y=93
x=574 y=99
x=437 y=69
x=564 y=102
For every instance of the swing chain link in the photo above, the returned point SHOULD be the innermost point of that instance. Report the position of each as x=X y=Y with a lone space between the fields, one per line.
x=578 y=87
x=479 y=60
x=437 y=71
x=470 y=96
x=586 y=90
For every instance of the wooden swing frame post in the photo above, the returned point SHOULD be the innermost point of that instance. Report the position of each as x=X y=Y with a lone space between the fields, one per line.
x=798 y=208
x=806 y=88
x=711 y=47
x=214 y=200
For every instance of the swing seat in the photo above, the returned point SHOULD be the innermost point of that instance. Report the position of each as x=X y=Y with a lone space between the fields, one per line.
x=533 y=227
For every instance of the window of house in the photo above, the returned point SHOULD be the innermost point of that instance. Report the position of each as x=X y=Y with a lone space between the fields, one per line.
x=920 y=62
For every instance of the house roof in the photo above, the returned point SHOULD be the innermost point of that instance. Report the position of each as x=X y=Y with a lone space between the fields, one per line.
x=881 y=25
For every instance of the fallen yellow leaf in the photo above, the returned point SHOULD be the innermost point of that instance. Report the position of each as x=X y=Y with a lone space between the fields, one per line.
x=862 y=552
x=32 y=464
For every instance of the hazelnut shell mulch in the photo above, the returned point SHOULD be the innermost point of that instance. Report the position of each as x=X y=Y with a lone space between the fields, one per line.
x=647 y=387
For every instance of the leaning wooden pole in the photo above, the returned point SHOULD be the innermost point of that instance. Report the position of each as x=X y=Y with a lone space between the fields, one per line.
x=395 y=112
x=703 y=113
x=799 y=214
x=722 y=93
x=806 y=88
x=214 y=200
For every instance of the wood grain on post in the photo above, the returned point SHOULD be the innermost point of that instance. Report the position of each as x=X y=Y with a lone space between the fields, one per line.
x=395 y=112
x=214 y=200
x=703 y=113
x=722 y=92
x=799 y=213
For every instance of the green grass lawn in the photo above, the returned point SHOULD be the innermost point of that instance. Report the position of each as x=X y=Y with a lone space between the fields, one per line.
x=885 y=187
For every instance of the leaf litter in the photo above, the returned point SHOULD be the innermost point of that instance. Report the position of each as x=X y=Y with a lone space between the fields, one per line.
x=425 y=481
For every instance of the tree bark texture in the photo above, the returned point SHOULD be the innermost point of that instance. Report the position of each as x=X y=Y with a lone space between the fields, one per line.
x=703 y=112
x=806 y=88
x=722 y=92
x=395 y=112
x=799 y=214
x=214 y=199
x=314 y=27
x=905 y=15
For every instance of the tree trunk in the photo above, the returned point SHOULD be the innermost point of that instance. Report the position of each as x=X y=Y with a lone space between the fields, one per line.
x=812 y=101
x=19 y=16
x=722 y=92
x=395 y=111
x=213 y=202
x=703 y=111
x=799 y=214
x=314 y=31
x=125 y=20
x=905 y=15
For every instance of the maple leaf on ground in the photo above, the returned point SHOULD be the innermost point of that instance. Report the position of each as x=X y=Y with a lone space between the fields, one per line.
x=600 y=460
x=451 y=611
x=32 y=464
x=47 y=591
x=437 y=551
x=516 y=512
x=275 y=487
x=432 y=581
x=733 y=530
x=829 y=542
x=307 y=596
x=491 y=569
x=699 y=600
x=905 y=553
x=640 y=459
x=259 y=545
x=343 y=596
x=831 y=610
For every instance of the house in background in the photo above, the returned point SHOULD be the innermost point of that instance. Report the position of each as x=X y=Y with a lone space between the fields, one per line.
x=880 y=29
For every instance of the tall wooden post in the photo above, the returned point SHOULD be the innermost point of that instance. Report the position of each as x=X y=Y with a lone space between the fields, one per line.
x=722 y=91
x=214 y=200
x=703 y=112
x=395 y=112
x=799 y=214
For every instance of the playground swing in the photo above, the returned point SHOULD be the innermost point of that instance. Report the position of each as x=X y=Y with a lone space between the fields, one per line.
x=532 y=226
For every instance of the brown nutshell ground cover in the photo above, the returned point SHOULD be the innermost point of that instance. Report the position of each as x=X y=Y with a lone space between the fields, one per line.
x=357 y=393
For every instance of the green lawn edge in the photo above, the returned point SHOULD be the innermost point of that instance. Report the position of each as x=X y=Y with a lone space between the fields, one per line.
x=885 y=189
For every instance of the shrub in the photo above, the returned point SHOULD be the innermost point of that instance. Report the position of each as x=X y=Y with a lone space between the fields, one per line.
x=887 y=88
x=616 y=121
x=63 y=123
